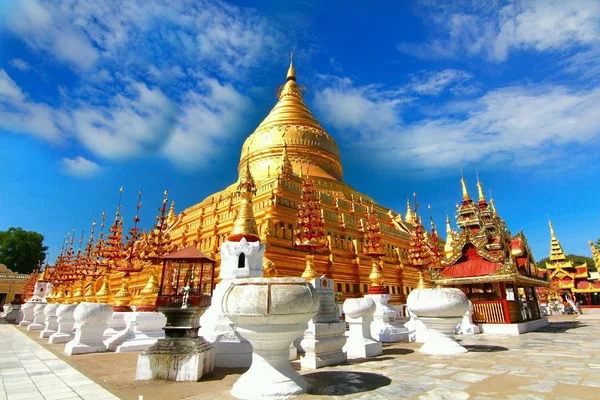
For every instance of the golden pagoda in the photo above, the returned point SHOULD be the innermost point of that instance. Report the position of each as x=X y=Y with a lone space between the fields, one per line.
x=288 y=140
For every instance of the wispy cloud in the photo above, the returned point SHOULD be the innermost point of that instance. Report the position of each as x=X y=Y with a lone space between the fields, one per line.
x=19 y=64
x=508 y=124
x=494 y=30
x=20 y=114
x=79 y=167
x=182 y=94
x=434 y=83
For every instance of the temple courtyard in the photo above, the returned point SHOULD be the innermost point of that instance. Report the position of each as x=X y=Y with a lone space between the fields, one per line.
x=561 y=361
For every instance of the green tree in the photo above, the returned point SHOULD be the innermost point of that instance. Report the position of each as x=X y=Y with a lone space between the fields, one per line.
x=21 y=250
x=574 y=258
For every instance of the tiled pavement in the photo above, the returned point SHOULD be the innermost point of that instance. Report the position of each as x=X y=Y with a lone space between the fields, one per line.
x=559 y=362
x=30 y=372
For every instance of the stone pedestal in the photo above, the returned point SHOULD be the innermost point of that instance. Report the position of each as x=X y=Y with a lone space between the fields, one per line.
x=14 y=315
x=387 y=326
x=270 y=313
x=359 y=316
x=441 y=310
x=116 y=324
x=182 y=355
x=66 y=322
x=466 y=326
x=231 y=349
x=325 y=337
x=39 y=318
x=142 y=330
x=5 y=310
x=418 y=331
x=50 y=321
x=27 y=312
x=91 y=320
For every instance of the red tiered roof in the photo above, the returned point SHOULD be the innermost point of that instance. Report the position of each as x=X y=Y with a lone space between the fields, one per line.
x=470 y=264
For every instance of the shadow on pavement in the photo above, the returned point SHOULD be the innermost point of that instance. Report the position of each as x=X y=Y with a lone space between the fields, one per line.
x=561 y=326
x=398 y=351
x=339 y=383
x=482 y=348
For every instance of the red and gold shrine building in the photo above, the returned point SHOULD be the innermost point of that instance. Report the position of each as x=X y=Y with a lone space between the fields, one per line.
x=288 y=141
x=496 y=270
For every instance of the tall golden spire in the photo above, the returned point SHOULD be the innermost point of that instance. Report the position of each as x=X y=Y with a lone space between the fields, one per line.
x=291 y=74
x=286 y=166
x=448 y=248
x=557 y=254
x=463 y=183
x=410 y=216
x=245 y=224
x=479 y=188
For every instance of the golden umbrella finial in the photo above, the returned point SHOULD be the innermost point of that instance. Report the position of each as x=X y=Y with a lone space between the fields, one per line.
x=463 y=183
x=291 y=74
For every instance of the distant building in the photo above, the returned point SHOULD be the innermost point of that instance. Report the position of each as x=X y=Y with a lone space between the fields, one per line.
x=11 y=283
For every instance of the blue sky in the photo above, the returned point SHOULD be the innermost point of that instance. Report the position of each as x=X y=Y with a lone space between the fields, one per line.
x=161 y=94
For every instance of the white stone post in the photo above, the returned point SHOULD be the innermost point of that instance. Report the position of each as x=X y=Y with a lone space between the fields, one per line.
x=324 y=339
x=38 y=318
x=142 y=330
x=270 y=313
x=14 y=315
x=231 y=349
x=466 y=326
x=51 y=323
x=441 y=310
x=91 y=320
x=66 y=322
x=359 y=315
x=27 y=312
x=386 y=326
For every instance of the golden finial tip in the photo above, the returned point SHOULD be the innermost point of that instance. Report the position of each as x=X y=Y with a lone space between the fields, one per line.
x=291 y=74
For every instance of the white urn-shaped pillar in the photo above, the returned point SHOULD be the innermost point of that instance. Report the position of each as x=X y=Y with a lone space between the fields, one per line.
x=91 y=320
x=39 y=318
x=359 y=316
x=441 y=310
x=27 y=311
x=270 y=313
x=66 y=322
x=50 y=321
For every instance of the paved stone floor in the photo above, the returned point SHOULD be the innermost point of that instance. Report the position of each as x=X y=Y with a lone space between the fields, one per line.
x=28 y=371
x=561 y=361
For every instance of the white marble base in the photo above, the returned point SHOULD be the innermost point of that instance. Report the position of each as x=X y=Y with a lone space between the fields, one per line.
x=116 y=324
x=176 y=360
x=66 y=322
x=387 y=326
x=359 y=316
x=92 y=320
x=50 y=321
x=39 y=318
x=439 y=339
x=142 y=330
x=466 y=326
x=323 y=344
x=26 y=314
x=231 y=349
x=514 y=329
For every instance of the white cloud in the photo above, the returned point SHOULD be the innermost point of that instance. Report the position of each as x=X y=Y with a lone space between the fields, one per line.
x=434 y=83
x=540 y=25
x=206 y=122
x=511 y=124
x=128 y=126
x=80 y=167
x=20 y=114
x=19 y=64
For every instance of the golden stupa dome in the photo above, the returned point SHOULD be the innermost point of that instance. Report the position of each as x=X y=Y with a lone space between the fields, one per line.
x=290 y=123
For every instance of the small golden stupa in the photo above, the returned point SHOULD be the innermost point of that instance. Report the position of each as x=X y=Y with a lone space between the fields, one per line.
x=288 y=140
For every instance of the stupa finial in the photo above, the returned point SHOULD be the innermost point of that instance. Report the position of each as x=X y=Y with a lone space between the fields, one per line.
x=291 y=74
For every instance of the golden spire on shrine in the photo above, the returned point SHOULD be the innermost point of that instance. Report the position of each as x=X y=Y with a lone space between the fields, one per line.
x=449 y=239
x=245 y=224
x=374 y=249
x=286 y=166
x=418 y=253
x=493 y=205
x=409 y=217
x=291 y=74
x=556 y=252
x=479 y=188
x=171 y=215
x=463 y=183
x=291 y=122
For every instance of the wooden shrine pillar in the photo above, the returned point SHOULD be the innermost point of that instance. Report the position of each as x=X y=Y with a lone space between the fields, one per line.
x=588 y=296
x=504 y=302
